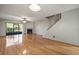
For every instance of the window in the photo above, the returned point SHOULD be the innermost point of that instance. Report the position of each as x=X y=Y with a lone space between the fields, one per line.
x=9 y=27
x=14 y=28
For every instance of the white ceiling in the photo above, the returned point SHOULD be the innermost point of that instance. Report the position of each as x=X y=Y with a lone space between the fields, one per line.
x=19 y=10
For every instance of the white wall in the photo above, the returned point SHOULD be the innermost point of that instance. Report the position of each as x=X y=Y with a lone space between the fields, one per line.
x=2 y=28
x=41 y=27
x=28 y=25
x=3 y=25
x=65 y=30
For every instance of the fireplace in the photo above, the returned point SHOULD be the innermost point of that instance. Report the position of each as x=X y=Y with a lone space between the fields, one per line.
x=29 y=31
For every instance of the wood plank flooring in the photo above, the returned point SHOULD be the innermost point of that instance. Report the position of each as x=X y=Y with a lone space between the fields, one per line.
x=34 y=45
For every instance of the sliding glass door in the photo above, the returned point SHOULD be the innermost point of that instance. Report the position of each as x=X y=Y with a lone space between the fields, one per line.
x=14 y=28
x=9 y=28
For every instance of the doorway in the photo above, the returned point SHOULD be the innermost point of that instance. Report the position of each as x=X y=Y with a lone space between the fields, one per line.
x=14 y=28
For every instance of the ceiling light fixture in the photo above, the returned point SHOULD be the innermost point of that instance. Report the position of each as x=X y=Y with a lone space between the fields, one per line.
x=24 y=21
x=34 y=7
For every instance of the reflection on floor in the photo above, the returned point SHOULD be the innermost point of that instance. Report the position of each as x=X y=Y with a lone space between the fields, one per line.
x=34 y=45
x=13 y=40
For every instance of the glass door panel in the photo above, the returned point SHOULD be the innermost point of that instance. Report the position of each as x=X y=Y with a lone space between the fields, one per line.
x=20 y=27
x=16 y=28
x=9 y=28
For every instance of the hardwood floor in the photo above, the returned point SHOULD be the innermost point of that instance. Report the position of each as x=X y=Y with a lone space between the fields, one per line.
x=34 y=45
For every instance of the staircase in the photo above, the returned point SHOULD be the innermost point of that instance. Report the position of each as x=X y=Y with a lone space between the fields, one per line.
x=52 y=20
